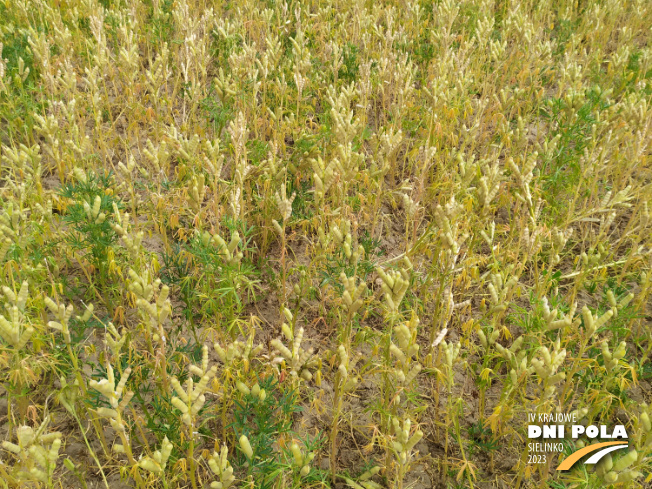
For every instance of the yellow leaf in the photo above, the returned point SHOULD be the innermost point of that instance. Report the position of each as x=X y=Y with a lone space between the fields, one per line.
x=484 y=375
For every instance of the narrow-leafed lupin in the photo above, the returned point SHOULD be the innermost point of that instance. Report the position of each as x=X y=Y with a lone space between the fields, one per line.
x=245 y=446
x=406 y=366
x=221 y=467
x=395 y=284
x=301 y=461
x=159 y=459
x=118 y=402
x=593 y=323
x=404 y=440
x=191 y=399
x=547 y=364
x=63 y=315
x=14 y=329
x=300 y=362
x=230 y=251
x=550 y=316
x=36 y=453
x=284 y=203
x=237 y=350
x=353 y=294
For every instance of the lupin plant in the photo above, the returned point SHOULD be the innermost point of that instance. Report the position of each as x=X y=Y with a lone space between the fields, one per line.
x=299 y=362
x=550 y=316
x=235 y=356
x=451 y=352
x=546 y=367
x=154 y=307
x=403 y=445
x=114 y=394
x=591 y=324
x=132 y=242
x=118 y=400
x=13 y=329
x=239 y=351
x=284 y=204
x=158 y=461
x=353 y=299
x=36 y=452
x=345 y=382
x=395 y=284
x=189 y=402
x=16 y=330
x=229 y=251
x=340 y=241
x=364 y=480
x=301 y=461
x=115 y=340
x=221 y=467
x=403 y=371
x=406 y=366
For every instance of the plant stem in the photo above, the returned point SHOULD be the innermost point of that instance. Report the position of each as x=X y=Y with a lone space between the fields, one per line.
x=90 y=449
x=337 y=407
x=82 y=387
x=191 y=458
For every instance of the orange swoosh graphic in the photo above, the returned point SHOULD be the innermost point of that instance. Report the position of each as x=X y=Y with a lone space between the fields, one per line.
x=574 y=457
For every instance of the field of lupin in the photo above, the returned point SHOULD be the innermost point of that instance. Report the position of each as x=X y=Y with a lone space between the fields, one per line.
x=308 y=244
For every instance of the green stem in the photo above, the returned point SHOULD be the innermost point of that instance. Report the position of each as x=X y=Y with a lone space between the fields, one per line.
x=337 y=405
x=82 y=387
x=90 y=450
x=191 y=458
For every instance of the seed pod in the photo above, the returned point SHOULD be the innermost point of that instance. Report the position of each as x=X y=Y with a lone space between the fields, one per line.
x=243 y=388
x=287 y=332
x=246 y=447
x=494 y=336
x=397 y=353
x=629 y=475
x=96 y=207
x=278 y=227
x=177 y=403
x=483 y=338
x=107 y=413
x=10 y=447
x=554 y=379
x=306 y=375
x=605 y=465
x=69 y=464
x=150 y=465
x=283 y=350
x=350 y=385
x=414 y=440
x=623 y=462
x=517 y=344
x=413 y=373
x=611 y=477
x=220 y=352
x=296 y=453
x=196 y=407
x=621 y=350
x=288 y=314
